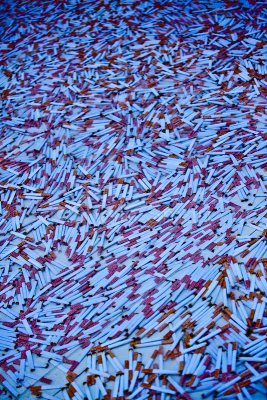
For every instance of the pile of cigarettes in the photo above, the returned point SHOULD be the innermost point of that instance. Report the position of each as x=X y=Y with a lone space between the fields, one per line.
x=133 y=200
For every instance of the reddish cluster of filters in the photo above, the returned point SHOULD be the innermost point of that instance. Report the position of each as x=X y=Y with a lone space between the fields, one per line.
x=133 y=204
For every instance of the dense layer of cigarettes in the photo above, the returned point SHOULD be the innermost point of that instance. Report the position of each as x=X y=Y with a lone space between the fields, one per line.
x=133 y=209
